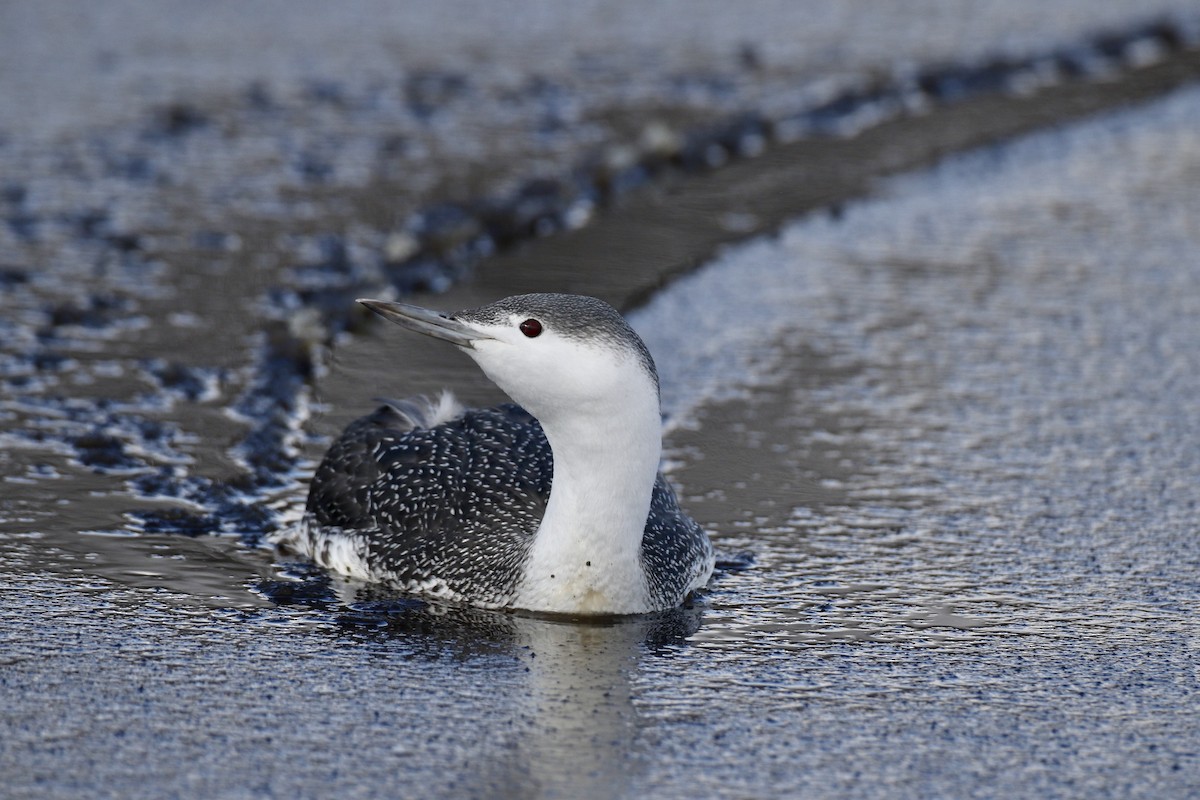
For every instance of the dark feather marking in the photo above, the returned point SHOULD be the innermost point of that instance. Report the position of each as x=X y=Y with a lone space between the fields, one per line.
x=460 y=503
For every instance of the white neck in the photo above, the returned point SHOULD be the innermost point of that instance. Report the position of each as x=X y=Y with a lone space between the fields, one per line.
x=586 y=555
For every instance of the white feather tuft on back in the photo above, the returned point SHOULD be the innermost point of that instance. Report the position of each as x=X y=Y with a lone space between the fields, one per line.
x=423 y=412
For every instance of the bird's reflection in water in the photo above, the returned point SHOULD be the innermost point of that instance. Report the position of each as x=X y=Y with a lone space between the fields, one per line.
x=573 y=720
x=581 y=689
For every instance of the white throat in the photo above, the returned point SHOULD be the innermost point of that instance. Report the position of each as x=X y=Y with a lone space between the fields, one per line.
x=587 y=553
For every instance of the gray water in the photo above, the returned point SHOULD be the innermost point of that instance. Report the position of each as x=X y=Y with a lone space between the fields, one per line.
x=945 y=436
x=992 y=369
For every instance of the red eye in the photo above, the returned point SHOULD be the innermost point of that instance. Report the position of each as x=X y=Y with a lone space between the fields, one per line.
x=531 y=328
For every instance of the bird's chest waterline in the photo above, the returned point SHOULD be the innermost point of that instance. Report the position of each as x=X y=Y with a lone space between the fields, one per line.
x=584 y=589
x=586 y=569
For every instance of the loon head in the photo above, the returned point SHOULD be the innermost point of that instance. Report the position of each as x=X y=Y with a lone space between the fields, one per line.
x=555 y=354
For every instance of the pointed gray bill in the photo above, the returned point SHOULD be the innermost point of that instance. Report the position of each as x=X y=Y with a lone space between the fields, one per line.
x=422 y=320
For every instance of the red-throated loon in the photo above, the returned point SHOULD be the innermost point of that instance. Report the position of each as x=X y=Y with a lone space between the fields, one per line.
x=556 y=505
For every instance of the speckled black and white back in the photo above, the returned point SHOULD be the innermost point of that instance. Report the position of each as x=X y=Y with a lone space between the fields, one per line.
x=450 y=511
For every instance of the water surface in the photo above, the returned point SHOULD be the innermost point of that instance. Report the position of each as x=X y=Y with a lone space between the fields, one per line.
x=945 y=436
